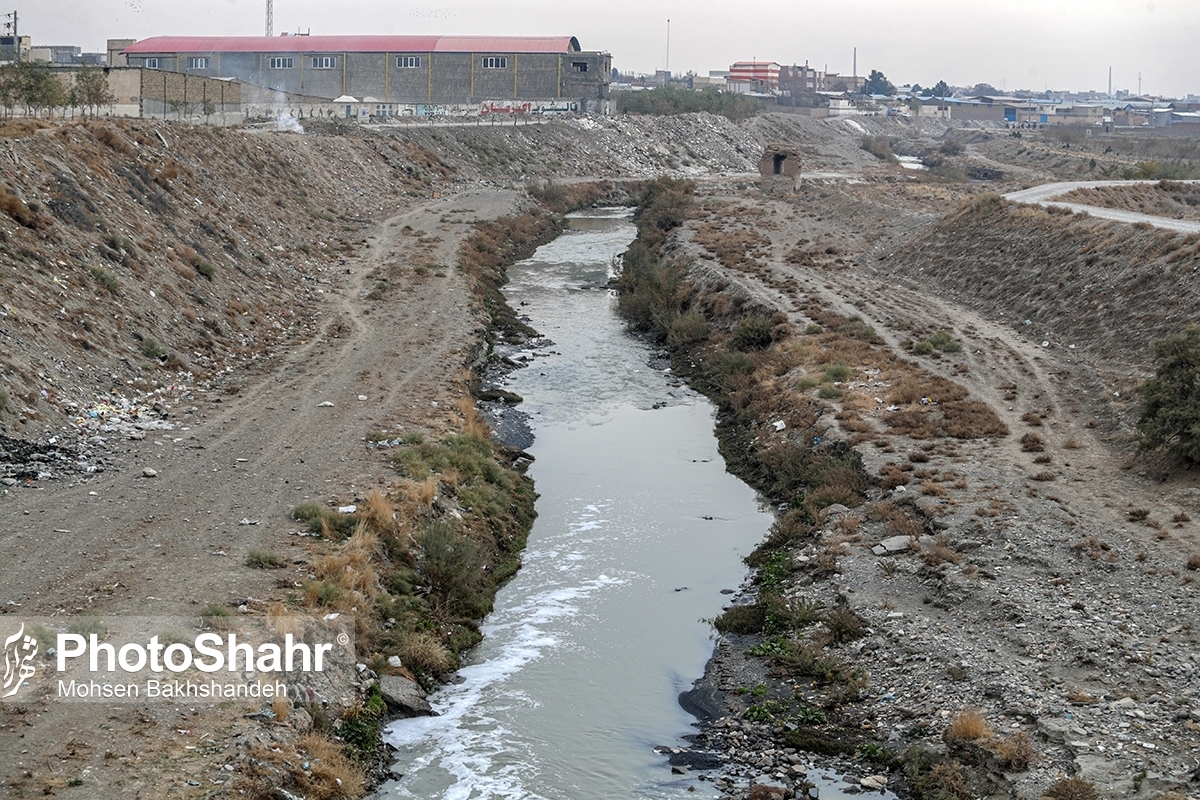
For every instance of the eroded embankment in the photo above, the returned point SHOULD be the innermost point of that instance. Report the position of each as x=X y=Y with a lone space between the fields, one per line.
x=961 y=570
x=1106 y=289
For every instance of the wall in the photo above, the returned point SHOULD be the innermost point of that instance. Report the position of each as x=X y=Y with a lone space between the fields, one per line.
x=440 y=78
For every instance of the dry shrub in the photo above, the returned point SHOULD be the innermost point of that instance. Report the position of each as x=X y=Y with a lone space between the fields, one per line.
x=1044 y=476
x=378 y=512
x=330 y=774
x=422 y=651
x=281 y=620
x=968 y=725
x=918 y=457
x=939 y=553
x=473 y=422
x=893 y=476
x=903 y=524
x=912 y=388
x=1072 y=444
x=15 y=207
x=1072 y=789
x=1032 y=443
x=972 y=419
x=933 y=489
x=1015 y=752
x=350 y=566
x=1032 y=419
x=1193 y=563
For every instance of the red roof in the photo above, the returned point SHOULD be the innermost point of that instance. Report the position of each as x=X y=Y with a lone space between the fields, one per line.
x=354 y=44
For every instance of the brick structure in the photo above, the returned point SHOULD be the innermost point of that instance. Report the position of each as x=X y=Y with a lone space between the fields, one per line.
x=780 y=168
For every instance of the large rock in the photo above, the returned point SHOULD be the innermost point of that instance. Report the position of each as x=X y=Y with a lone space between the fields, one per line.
x=404 y=696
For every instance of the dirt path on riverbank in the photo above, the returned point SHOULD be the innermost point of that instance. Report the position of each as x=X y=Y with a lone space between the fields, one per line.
x=225 y=481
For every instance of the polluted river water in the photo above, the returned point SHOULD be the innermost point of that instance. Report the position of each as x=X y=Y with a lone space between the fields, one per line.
x=639 y=530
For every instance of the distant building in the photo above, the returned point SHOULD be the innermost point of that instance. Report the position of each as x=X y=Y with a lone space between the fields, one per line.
x=753 y=77
x=391 y=70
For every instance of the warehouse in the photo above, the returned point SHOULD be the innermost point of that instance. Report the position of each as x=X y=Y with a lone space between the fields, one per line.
x=392 y=70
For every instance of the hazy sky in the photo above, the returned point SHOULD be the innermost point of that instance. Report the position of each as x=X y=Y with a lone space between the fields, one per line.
x=1013 y=44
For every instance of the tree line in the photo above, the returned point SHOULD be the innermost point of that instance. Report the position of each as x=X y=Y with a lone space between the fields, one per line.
x=38 y=89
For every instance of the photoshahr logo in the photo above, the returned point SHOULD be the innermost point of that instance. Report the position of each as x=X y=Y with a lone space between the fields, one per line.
x=19 y=651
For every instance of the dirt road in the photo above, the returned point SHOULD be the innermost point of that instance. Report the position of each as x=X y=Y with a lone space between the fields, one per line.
x=1041 y=195
x=125 y=544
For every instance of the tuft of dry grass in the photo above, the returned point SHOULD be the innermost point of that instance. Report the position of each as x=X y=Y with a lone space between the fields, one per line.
x=1015 y=752
x=350 y=566
x=1044 y=475
x=968 y=725
x=1032 y=443
x=422 y=651
x=1072 y=789
x=1193 y=562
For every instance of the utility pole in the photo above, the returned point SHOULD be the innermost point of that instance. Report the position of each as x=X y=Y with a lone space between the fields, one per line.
x=1110 y=83
x=668 y=49
x=270 y=17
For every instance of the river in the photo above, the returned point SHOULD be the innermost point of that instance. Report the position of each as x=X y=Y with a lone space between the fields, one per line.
x=639 y=530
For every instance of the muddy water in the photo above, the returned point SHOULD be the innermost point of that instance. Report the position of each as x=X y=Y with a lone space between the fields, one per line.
x=639 y=529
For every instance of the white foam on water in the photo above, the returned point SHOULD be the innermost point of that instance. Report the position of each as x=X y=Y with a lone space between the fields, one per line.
x=467 y=740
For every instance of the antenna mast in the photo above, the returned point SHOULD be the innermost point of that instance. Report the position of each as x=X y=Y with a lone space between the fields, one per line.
x=270 y=17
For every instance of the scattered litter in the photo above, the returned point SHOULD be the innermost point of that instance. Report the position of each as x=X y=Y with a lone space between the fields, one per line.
x=242 y=460
x=779 y=424
x=328 y=617
x=248 y=521
x=362 y=397
x=347 y=509
x=1045 y=344
x=325 y=404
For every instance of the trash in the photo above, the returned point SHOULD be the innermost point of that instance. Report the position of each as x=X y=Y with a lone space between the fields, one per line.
x=149 y=473
x=1045 y=344
x=248 y=521
x=325 y=404
x=779 y=424
x=347 y=509
x=362 y=397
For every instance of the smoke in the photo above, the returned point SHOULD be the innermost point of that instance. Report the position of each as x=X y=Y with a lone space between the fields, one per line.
x=288 y=123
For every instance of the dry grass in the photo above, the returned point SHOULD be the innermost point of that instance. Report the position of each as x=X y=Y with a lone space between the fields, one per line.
x=350 y=567
x=1072 y=789
x=422 y=651
x=330 y=774
x=939 y=553
x=1193 y=562
x=1032 y=419
x=968 y=725
x=1032 y=443
x=473 y=422
x=1015 y=752
x=1044 y=476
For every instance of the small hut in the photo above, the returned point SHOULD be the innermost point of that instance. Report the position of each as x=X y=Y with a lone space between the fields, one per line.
x=780 y=169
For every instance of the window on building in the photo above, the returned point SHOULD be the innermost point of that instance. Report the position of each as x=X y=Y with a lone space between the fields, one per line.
x=324 y=62
x=150 y=63
x=408 y=62
x=199 y=62
x=495 y=62
x=283 y=62
x=579 y=66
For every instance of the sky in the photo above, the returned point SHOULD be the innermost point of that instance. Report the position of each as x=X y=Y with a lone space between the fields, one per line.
x=1011 y=44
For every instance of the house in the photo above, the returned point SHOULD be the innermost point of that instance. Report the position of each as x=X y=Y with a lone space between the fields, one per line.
x=753 y=77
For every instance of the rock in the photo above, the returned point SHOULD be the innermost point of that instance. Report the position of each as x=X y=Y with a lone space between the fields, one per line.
x=362 y=397
x=404 y=696
x=8 y=481
x=301 y=720
x=394 y=661
x=873 y=782
x=893 y=544
x=149 y=473
x=762 y=791
x=325 y=404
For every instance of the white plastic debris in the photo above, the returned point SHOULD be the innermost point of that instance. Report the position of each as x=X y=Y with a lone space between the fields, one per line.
x=779 y=424
x=347 y=509
x=325 y=404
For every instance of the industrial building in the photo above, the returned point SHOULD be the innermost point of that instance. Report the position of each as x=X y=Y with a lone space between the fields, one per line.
x=393 y=71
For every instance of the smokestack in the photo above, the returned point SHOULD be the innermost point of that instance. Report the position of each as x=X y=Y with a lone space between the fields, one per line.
x=856 y=62
x=1110 y=82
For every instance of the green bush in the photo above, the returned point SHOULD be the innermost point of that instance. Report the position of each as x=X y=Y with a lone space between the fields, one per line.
x=106 y=279
x=263 y=559
x=878 y=146
x=689 y=328
x=1170 y=417
x=752 y=333
x=151 y=348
